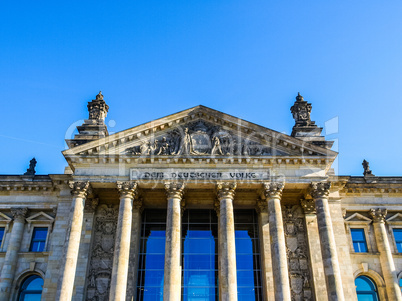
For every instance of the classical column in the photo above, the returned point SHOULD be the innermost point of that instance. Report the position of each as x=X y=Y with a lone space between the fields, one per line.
x=227 y=248
x=273 y=194
x=11 y=259
x=320 y=191
x=172 y=274
x=313 y=240
x=118 y=284
x=79 y=190
x=265 y=246
x=387 y=262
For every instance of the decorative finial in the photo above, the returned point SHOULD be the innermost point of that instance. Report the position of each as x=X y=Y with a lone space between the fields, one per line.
x=31 y=170
x=99 y=96
x=301 y=112
x=367 y=172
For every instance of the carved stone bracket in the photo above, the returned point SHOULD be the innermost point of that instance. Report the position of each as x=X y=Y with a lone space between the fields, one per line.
x=308 y=206
x=320 y=189
x=19 y=213
x=174 y=189
x=378 y=215
x=91 y=204
x=273 y=189
x=79 y=188
x=138 y=204
x=261 y=205
x=127 y=189
x=226 y=190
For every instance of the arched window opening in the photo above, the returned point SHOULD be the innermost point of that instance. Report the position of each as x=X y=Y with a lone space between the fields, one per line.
x=31 y=289
x=366 y=289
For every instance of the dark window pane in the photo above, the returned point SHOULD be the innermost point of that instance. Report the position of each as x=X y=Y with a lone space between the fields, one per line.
x=38 y=240
x=398 y=239
x=359 y=240
x=1 y=235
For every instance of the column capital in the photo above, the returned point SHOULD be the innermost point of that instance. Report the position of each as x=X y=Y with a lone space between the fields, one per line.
x=174 y=189
x=378 y=215
x=320 y=189
x=273 y=189
x=226 y=189
x=19 y=213
x=127 y=189
x=79 y=188
x=308 y=206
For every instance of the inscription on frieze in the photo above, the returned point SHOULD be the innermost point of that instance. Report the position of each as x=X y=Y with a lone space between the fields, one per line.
x=199 y=174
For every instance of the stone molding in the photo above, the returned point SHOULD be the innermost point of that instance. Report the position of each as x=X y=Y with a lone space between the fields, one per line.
x=320 y=189
x=79 y=188
x=378 y=215
x=308 y=206
x=273 y=189
x=127 y=189
x=226 y=190
x=19 y=213
x=174 y=189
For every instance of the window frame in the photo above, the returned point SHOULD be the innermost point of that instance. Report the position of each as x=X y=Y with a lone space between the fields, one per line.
x=376 y=290
x=353 y=241
x=359 y=221
x=31 y=239
x=394 y=222
x=5 y=221
x=22 y=283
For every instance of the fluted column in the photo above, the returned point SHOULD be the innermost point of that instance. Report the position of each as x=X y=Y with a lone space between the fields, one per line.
x=118 y=284
x=172 y=273
x=313 y=239
x=386 y=259
x=227 y=248
x=273 y=194
x=79 y=190
x=11 y=259
x=320 y=191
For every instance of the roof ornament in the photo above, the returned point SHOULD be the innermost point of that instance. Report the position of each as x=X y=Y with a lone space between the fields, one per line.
x=98 y=109
x=301 y=112
x=367 y=171
x=31 y=170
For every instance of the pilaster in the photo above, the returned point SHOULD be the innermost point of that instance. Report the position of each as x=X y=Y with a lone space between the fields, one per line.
x=387 y=262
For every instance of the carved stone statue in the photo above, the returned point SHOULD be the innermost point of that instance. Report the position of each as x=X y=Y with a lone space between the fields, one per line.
x=98 y=109
x=31 y=170
x=367 y=172
x=216 y=150
x=301 y=112
x=186 y=145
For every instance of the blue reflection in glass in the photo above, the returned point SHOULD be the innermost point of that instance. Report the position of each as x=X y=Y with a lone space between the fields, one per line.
x=199 y=257
x=365 y=289
x=247 y=256
x=31 y=289
x=152 y=256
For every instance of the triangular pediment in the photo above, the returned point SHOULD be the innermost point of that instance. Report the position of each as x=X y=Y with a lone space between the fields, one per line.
x=5 y=218
x=40 y=218
x=357 y=218
x=397 y=218
x=200 y=132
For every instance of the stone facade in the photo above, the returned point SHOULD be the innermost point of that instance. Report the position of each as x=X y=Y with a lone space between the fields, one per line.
x=199 y=159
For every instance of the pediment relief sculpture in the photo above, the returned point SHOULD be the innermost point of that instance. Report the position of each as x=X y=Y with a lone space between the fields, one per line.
x=200 y=138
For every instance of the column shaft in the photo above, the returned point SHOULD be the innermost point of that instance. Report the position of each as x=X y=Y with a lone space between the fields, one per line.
x=11 y=259
x=273 y=193
x=227 y=248
x=66 y=280
x=333 y=277
x=172 y=273
x=134 y=251
x=118 y=284
x=386 y=258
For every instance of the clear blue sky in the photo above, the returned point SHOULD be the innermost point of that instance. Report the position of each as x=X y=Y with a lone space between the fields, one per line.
x=245 y=58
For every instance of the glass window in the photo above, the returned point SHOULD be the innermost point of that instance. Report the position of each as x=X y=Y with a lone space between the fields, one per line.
x=249 y=285
x=365 y=289
x=400 y=283
x=38 y=240
x=31 y=289
x=1 y=235
x=152 y=256
x=359 y=240
x=398 y=239
x=199 y=255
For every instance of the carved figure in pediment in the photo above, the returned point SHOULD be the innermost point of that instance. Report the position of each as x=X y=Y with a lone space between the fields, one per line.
x=164 y=148
x=145 y=148
x=186 y=147
x=216 y=150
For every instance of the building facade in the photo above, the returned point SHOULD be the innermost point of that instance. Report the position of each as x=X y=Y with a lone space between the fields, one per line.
x=200 y=205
